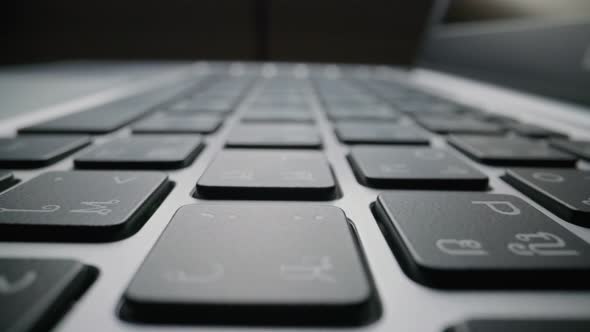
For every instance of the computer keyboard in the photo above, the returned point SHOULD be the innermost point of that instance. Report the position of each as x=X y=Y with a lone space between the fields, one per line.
x=293 y=196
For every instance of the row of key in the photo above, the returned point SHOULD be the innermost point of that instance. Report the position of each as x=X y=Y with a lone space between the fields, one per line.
x=464 y=239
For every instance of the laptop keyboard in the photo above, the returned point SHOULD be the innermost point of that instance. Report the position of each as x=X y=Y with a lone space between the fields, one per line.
x=257 y=239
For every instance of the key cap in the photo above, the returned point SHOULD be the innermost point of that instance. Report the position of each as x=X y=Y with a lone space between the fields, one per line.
x=142 y=152
x=6 y=180
x=563 y=192
x=578 y=148
x=277 y=116
x=362 y=113
x=33 y=151
x=268 y=174
x=202 y=105
x=477 y=240
x=105 y=118
x=168 y=123
x=274 y=136
x=413 y=168
x=428 y=107
x=459 y=125
x=80 y=205
x=379 y=133
x=491 y=117
x=511 y=151
x=533 y=131
x=208 y=267
x=522 y=325
x=34 y=293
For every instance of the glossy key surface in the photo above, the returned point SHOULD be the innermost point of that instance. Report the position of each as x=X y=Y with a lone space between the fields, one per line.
x=274 y=136
x=542 y=324
x=414 y=168
x=168 y=123
x=80 y=205
x=142 y=152
x=256 y=264
x=354 y=132
x=578 y=148
x=33 y=151
x=477 y=240
x=268 y=174
x=511 y=151
x=35 y=293
x=565 y=192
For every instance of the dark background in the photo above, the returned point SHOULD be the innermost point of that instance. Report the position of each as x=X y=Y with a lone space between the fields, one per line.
x=367 y=31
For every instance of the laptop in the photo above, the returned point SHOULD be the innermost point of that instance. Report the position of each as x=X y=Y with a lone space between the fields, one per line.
x=302 y=194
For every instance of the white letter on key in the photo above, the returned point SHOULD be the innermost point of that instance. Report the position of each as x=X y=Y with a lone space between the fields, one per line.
x=496 y=206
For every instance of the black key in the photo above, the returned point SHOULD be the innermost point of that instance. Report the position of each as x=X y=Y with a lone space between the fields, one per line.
x=477 y=240
x=311 y=270
x=142 y=152
x=425 y=107
x=6 y=180
x=34 y=293
x=380 y=133
x=533 y=131
x=104 y=118
x=522 y=325
x=33 y=151
x=370 y=112
x=277 y=116
x=459 y=125
x=274 y=136
x=80 y=205
x=202 y=105
x=577 y=148
x=267 y=174
x=413 y=168
x=511 y=151
x=491 y=117
x=168 y=123
x=563 y=192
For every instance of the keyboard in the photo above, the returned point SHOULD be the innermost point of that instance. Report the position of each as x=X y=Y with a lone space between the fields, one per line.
x=244 y=196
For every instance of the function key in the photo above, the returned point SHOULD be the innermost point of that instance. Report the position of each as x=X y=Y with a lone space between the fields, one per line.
x=80 y=205
x=564 y=192
x=459 y=125
x=170 y=123
x=522 y=325
x=34 y=293
x=268 y=174
x=511 y=151
x=274 y=136
x=142 y=152
x=533 y=131
x=477 y=240
x=6 y=180
x=369 y=132
x=209 y=261
x=577 y=148
x=33 y=151
x=414 y=168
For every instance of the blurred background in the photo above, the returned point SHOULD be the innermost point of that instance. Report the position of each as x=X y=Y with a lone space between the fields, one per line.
x=541 y=46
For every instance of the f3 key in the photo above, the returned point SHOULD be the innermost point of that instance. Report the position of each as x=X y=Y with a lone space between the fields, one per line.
x=476 y=240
